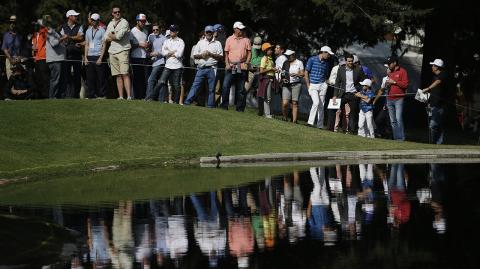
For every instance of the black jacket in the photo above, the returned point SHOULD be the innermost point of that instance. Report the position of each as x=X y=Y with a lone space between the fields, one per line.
x=341 y=81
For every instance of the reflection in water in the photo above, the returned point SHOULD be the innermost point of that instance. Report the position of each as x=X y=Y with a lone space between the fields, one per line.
x=325 y=207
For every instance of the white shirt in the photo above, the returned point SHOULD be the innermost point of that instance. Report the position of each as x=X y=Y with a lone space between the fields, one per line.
x=333 y=74
x=295 y=68
x=279 y=64
x=212 y=46
x=173 y=45
x=350 y=86
x=138 y=36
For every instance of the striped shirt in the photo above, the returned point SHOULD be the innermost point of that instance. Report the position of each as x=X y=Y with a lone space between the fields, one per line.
x=317 y=69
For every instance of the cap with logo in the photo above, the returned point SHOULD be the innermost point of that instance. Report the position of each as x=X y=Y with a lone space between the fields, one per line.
x=12 y=18
x=173 y=28
x=209 y=28
x=141 y=17
x=217 y=27
x=392 y=59
x=437 y=62
x=72 y=12
x=95 y=16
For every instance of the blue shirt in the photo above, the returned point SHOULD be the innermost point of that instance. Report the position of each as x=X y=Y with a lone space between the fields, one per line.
x=157 y=43
x=13 y=42
x=95 y=40
x=364 y=106
x=317 y=69
x=367 y=72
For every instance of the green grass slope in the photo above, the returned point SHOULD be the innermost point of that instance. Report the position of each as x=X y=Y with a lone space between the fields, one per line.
x=65 y=134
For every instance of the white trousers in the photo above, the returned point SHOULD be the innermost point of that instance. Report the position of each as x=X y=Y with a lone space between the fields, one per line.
x=366 y=118
x=317 y=92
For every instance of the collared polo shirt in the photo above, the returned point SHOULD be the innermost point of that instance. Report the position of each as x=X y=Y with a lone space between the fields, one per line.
x=237 y=48
x=317 y=69
x=94 y=39
x=157 y=44
x=13 y=42
x=212 y=46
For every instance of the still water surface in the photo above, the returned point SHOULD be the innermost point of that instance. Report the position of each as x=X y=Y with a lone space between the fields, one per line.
x=343 y=216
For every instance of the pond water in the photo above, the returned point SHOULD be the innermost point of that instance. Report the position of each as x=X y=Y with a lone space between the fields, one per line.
x=340 y=216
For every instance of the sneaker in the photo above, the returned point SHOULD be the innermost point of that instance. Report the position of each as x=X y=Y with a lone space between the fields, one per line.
x=120 y=98
x=170 y=101
x=101 y=98
x=129 y=98
x=268 y=116
x=8 y=99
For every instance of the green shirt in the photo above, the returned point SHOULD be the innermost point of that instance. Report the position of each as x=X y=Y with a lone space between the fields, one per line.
x=257 y=55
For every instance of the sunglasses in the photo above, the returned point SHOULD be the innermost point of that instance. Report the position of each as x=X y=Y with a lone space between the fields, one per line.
x=116 y=12
x=142 y=21
x=155 y=29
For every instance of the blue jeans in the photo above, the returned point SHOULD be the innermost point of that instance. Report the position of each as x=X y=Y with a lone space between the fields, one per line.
x=239 y=81
x=397 y=178
x=203 y=73
x=436 y=125
x=153 y=86
x=57 y=80
x=173 y=76
x=395 y=111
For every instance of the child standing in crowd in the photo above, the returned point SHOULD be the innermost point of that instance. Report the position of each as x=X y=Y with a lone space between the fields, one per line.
x=366 y=109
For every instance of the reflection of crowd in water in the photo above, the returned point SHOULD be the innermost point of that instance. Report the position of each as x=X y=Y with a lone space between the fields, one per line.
x=324 y=204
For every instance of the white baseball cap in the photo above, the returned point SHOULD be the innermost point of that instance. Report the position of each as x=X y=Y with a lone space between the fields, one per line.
x=95 y=16
x=327 y=49
x=355 y=59
x=366 y=82
x=167 y=33
x=72 y=12
x=437 y=62
x=238 y=25
x=289 y=52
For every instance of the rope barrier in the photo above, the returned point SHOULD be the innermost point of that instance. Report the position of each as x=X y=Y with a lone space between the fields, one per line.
x=218 y=68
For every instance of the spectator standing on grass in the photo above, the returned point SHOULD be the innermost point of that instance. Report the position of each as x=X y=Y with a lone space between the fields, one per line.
x=267 y=77
x=73 y=36
x=238 y=53
x=398 y=83
x=173 y=49
x=156 y=40
x=219 y=35
x=55 y=58
x=257 y=54
x=39 y=52
x=207 y=53
x=437 y=89
x=118 y=36
x=19 y=86
x=347 y=84
x=11 y=45
x=293 y=74
x=365 y=116
x=334 y=114
x=138 y=56
x=94 y=51
x=316 y=79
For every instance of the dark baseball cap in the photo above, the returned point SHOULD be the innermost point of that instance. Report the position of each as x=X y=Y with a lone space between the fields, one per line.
x=173 y=28
x=391 y=59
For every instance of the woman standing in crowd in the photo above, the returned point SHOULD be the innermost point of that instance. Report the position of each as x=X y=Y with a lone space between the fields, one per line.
x=293 y=72
x=267 y=76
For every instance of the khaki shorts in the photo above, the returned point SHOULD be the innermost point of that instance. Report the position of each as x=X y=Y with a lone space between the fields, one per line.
x=119 y=63
x=291 y=92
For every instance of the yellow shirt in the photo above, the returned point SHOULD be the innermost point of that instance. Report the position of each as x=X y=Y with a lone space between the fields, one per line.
x=267 y=63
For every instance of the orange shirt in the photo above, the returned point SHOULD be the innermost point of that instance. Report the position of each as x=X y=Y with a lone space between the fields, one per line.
x=38 y=41
x=237 y=48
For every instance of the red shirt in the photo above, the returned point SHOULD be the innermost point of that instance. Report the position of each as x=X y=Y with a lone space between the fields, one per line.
x=400 y=87
x=39 y=40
